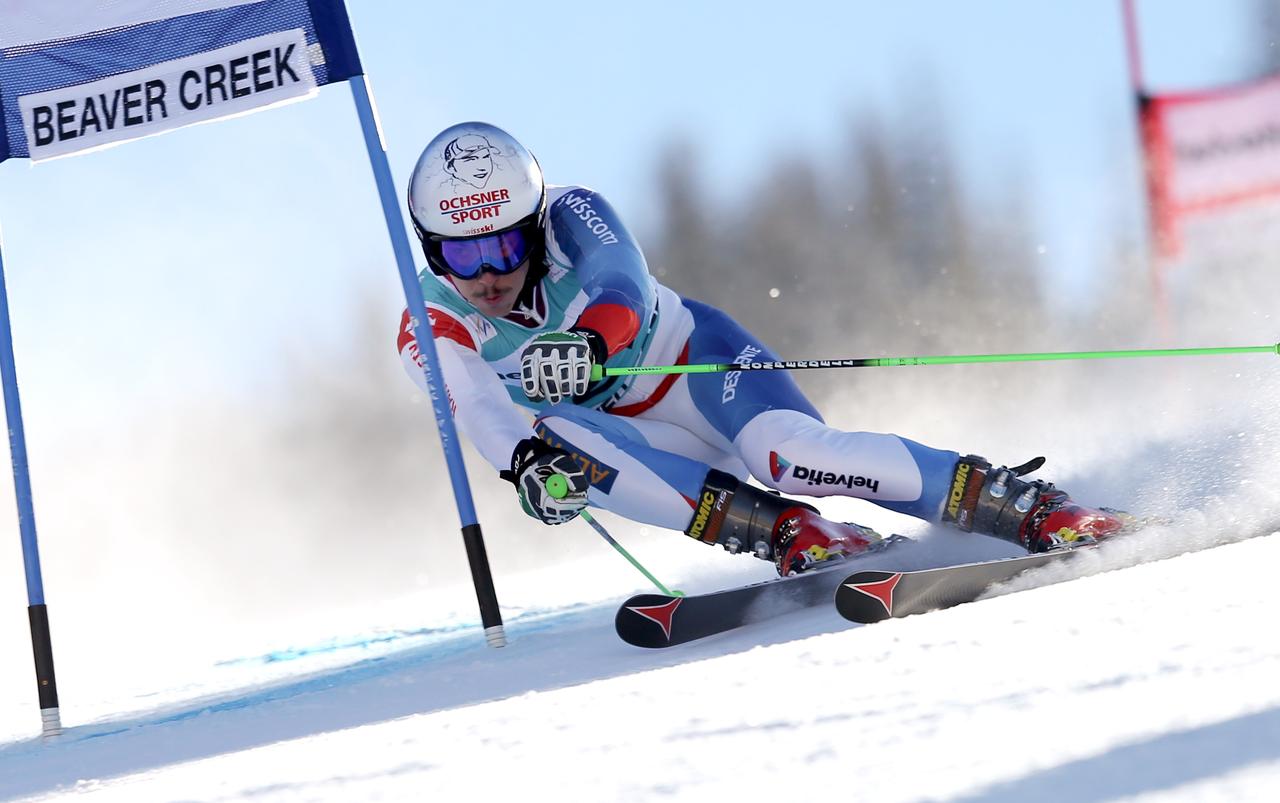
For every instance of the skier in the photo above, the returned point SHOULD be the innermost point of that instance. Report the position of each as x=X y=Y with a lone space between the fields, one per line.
x=529 y=286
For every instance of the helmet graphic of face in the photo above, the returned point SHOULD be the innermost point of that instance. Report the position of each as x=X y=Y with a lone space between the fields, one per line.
x=469 y=159
x=474 y=180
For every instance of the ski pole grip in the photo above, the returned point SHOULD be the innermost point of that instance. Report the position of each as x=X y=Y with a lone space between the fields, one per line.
x=557 y=486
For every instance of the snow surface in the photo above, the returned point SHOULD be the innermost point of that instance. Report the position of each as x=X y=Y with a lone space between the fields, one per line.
x=1156 y=681
x=1148 y=672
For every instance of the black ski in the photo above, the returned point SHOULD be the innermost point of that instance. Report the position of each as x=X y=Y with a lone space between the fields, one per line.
x=658 y=620
x=872 y=596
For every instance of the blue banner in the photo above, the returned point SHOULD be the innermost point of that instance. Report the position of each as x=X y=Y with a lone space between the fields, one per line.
x=79 y=74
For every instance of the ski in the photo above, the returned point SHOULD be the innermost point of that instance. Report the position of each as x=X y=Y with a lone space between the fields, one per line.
x=873 y=596
x=659 y=620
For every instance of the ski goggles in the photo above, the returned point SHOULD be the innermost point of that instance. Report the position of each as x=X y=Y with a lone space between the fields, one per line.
x=501 y=253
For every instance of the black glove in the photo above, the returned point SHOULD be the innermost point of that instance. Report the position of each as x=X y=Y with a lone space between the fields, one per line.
x=533 y=464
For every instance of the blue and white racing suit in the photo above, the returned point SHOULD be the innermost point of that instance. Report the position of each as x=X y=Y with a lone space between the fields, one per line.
x=647 y=442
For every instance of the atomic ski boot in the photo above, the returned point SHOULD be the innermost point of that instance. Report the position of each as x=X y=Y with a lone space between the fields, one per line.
x=743 y=518
x=1033 y=514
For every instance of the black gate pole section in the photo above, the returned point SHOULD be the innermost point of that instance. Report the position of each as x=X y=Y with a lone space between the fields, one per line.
x=41 y=644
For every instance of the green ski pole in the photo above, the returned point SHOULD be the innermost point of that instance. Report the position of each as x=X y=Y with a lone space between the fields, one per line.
x=558 y=488
x=599 y=372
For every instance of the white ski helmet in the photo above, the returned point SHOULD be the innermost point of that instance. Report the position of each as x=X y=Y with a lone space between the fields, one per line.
x=472 y=183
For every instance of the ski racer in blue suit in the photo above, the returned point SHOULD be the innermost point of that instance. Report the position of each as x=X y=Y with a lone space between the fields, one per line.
x=529 y=286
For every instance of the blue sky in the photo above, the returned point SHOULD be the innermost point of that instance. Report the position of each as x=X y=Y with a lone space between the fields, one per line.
x=173 y=265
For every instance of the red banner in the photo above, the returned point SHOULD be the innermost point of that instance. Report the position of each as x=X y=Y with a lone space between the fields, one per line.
x=1209 y=150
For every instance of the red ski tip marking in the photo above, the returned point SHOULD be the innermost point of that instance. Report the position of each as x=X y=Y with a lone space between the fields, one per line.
x=881 y=590
x=662 y=614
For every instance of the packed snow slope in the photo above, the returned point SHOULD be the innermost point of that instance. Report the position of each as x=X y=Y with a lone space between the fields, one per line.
x=1155 y=681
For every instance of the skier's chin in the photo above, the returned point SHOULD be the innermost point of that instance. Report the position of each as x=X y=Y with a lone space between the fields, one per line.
x=495 y=306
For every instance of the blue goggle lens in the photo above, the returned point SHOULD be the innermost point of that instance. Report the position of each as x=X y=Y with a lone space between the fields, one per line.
x=501 y=253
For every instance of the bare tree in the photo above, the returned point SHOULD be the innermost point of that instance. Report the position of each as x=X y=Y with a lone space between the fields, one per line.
x=1267 y=14
x=859 y=249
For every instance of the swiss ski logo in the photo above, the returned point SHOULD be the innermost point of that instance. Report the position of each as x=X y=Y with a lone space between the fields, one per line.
x=662 y=614
x=880 y=590
x=777 y=466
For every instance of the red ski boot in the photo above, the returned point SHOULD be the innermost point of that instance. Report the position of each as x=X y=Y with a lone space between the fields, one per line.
x=743 y=518
x=802 y=539
x=1034 y=514
x=1058 y=522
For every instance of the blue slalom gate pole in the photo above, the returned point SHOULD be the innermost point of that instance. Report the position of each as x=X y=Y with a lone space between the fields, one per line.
x=37 y=613
x=481 y=576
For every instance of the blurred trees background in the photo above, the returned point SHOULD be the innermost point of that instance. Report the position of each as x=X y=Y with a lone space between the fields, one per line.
x=875 y=246
x=1267 y=14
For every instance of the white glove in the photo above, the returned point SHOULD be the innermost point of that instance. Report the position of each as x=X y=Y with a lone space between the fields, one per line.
x=557 y=366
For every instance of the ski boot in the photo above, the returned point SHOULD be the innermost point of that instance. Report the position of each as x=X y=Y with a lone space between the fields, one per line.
x=1058 y=522
x=1033 y=514
x=743 y=518
x=803 y=539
